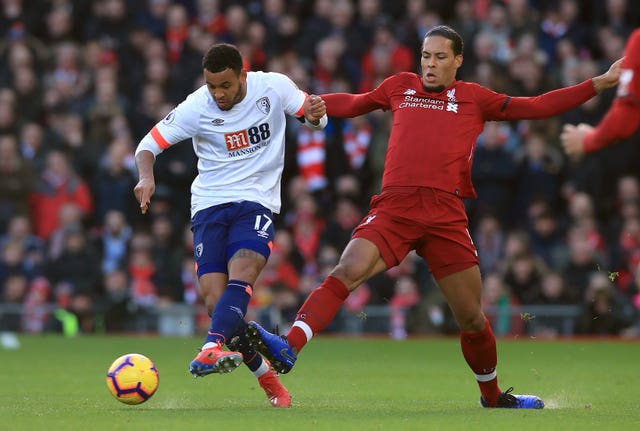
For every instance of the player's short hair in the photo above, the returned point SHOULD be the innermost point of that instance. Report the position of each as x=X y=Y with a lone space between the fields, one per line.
x=222 y=56
x=448 y=33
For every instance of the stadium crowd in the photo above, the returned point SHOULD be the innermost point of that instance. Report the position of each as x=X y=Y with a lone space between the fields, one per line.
x=81 y=82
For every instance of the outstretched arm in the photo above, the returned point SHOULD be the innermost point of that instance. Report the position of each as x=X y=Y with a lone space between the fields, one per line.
x=561 y=100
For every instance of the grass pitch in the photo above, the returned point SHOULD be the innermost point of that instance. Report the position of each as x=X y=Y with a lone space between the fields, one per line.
x=56 y=383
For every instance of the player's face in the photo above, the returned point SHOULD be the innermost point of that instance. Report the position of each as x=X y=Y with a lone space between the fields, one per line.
x=226 y=87
x=438 y=63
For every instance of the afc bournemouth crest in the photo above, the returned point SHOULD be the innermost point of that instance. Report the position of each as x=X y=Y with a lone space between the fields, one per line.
x=263 y=105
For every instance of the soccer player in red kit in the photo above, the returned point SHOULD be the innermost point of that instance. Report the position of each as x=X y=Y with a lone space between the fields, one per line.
x=436 y=121
x=622 y=120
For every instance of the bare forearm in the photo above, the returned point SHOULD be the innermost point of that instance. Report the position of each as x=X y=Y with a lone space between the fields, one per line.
x=144 y=163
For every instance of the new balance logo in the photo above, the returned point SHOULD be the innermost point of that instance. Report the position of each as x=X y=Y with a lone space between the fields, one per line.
x=410 y=91
x=369 y=219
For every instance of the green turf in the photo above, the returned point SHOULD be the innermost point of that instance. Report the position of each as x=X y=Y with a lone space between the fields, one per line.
x=53 y=383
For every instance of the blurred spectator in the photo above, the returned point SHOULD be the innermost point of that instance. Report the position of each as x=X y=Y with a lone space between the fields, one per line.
x=153 y=16
x=237 y=19
x=497 y=300
x=547 y=234
x=489 y=239
x=553 y=291
x=405 y=297
x=584 y=260
x=58 y=184
x=114 y=181
x=167 y=260
x=76 y=266
x=307 y=228
x=605 y=311
x=74 y=277
x=523 y=18
x=9 y=122
x=11 y=263
x=493 y=173
x=113 y=241
x=539 y=174
x=33 y=147
x=17 y=181
x=523 y=276
x=385 y=57
x=109 y=20
x=176 y=32
x=209 y=16
x=143 y=290
x=37 y=313
x=13 y=292
x=497 y=26
x=69 y=216
x=32 y=248
x=344 y=219
x=114 y=303
x=356 y=137
x=29 y=104
x=560 y=20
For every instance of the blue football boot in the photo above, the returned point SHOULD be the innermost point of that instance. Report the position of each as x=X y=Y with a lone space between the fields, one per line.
x=511 y=401
x=272 y=346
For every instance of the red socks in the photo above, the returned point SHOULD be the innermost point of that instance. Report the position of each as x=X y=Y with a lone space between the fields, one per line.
x=317 y=312
x=479 y=350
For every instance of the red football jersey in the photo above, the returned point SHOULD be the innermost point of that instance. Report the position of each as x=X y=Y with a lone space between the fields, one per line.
x=434 y=135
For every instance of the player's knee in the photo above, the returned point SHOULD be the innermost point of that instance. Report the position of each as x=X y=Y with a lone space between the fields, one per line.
x=352 y=275
x=472 y=322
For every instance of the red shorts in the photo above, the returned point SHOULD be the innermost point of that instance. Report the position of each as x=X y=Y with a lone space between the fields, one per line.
x=431 y=221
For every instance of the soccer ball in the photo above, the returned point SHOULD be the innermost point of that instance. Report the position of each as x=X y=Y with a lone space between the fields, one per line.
x=132 y=378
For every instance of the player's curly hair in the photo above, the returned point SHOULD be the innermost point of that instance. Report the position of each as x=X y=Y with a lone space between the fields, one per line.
x=222 y=56
x=448 y=33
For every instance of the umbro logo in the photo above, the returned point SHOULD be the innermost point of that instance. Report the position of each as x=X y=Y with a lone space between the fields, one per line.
x=410 y=91
x=217 y=122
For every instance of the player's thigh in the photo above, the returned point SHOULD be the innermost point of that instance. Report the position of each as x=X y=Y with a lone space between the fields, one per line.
x=359 y=261
x=210 y=239
x=250 y=241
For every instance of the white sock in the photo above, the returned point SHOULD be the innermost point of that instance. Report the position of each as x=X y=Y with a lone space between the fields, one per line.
x=305 y=328
x=262 y=369
x=209 y=345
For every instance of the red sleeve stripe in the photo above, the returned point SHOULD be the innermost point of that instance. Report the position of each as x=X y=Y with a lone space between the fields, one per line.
x=300 y=112
x=162 y=143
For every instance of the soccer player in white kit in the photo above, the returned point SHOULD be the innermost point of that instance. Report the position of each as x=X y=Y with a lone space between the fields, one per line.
x=236 y=122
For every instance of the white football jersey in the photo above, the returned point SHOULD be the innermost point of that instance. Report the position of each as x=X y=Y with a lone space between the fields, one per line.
x=240 y=151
